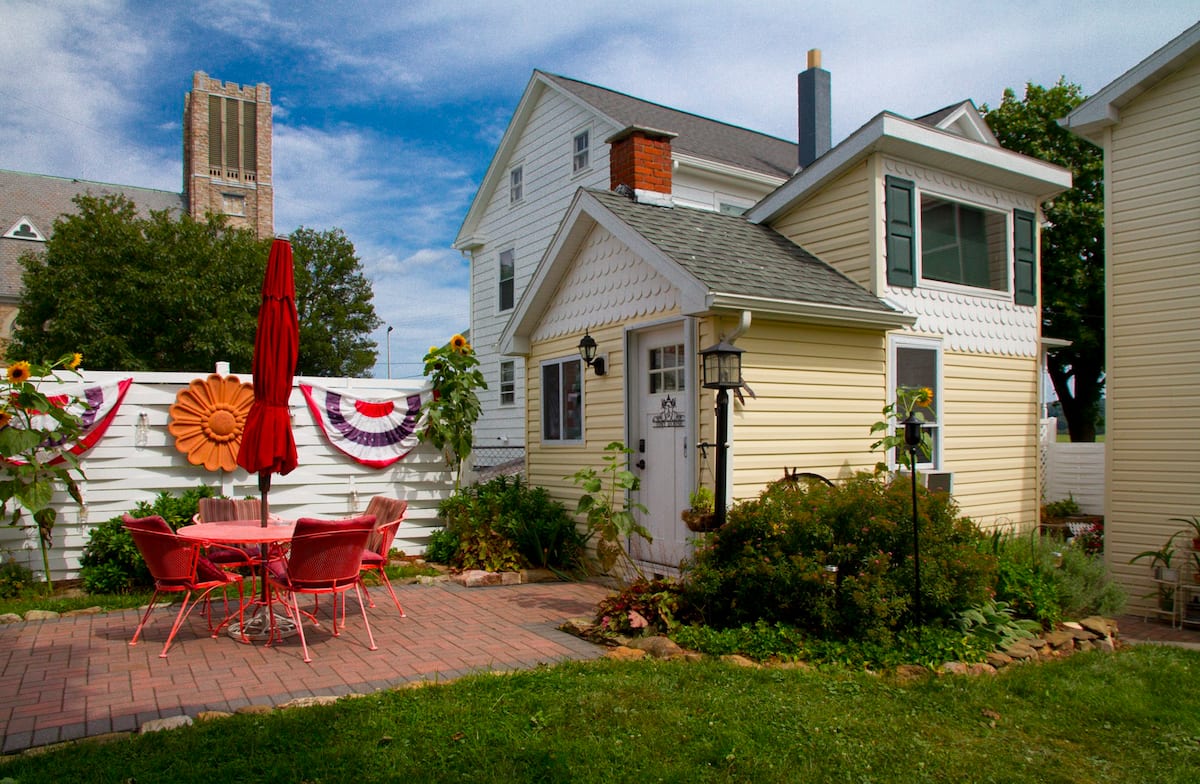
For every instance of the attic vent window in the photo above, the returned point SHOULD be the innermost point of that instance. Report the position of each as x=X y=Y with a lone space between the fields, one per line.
x=24 y=230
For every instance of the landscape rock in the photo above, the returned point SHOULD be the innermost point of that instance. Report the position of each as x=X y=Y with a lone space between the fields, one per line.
x=169 y=723
x=911 y=672
x=738 y=661
x=475 y=578
x=212 y=715
x=998 y=660
x=658 y=646
x=623 y=653
x=253 y=710
x=1104 y=627
x=41 y=615
x=10 y=618
x=308 y=702
x=84 y=611
x=1062 y=638
x=538 y=576
x=1021 y=650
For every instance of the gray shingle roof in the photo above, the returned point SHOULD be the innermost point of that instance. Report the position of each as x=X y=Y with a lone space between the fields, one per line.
x=43 y=198
x=732 y=256
x=698 y=135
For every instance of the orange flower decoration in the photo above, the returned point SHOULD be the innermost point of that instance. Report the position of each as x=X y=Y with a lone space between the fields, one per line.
x=207 y=420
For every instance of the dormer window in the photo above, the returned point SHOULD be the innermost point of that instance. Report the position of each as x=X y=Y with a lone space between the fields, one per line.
x=931 y=238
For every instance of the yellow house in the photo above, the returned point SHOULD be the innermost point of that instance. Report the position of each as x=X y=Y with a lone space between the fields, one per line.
x=905 y=256
x=1147 y=122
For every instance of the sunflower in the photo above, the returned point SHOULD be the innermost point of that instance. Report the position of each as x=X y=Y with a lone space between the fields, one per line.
x=458 y=343
x=76 y=358
x=924 y=396
x=18 y=372
x=207 y=420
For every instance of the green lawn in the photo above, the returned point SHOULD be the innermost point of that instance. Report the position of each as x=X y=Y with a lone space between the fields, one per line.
x=1132 y=716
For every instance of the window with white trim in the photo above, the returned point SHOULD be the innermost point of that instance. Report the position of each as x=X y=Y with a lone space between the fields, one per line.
x=562 y=401
x=581 y=153
x=507 y=278
x=916 y=363
x=508 y=383
x=516 y=184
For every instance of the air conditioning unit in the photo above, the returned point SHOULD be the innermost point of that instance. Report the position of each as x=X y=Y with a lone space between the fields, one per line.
x=936 y=481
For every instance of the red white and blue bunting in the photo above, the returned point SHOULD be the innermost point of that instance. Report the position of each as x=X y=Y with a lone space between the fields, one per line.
x=373 y=431
x=96 y=406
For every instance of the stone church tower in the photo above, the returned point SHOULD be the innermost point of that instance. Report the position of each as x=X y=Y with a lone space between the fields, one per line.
x=227 y=153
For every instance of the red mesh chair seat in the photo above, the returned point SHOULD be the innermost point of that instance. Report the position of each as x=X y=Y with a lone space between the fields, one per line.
x=389 y=514
x=323 y=557
x=177 y=566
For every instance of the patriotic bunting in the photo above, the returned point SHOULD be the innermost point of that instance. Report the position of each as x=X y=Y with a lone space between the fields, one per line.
x=96 y=407
x=374 y=432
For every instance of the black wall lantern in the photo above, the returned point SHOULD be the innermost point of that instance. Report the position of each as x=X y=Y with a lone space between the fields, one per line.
x=722 y=366
x=587 y=352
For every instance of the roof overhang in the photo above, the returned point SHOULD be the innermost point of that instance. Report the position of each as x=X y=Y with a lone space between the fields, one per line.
x=892 y=135
x=1103 y=109
x=809 y=312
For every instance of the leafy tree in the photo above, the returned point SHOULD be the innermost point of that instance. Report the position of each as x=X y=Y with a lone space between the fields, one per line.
x=333 y=300
x=133 y=293
x=1072 y=245
x=172 y=293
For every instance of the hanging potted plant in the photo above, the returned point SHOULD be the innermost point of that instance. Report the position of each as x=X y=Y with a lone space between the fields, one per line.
x=700 y=515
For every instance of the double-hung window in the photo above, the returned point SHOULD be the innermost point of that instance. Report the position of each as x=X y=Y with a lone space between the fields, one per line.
x=507 y=278
x=581 y=151
x=516 y=184
x=917 y=363
x=562 y=401
x=508 y=383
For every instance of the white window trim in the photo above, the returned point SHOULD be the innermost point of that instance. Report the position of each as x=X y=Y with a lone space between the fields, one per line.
x=928 y=344
x=500 y=384
x=582 y=402
x=1005 y=294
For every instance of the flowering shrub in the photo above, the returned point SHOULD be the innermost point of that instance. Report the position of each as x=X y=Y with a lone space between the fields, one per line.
x=36 y=434
x=837 y=561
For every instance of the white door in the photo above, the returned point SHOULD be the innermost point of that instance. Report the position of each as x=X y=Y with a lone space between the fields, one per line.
x=661 y=414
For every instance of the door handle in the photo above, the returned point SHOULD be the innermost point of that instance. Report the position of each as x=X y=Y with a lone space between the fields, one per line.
x=641 y=464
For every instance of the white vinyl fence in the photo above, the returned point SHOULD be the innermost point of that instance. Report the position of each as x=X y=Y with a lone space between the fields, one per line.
x=137 y=459
x=1072 y=470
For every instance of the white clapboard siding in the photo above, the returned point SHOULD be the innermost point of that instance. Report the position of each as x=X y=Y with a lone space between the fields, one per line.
x=137 y=459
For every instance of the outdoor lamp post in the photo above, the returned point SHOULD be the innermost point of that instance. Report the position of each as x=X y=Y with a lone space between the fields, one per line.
x=389 y=351
x=912 y=441
x=722 y=365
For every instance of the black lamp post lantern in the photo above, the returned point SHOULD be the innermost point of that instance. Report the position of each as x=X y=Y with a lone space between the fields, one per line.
x=912 y=442
x=722 y=365
x=587 y=352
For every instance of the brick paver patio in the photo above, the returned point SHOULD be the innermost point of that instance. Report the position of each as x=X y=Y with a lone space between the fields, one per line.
x=74 y=677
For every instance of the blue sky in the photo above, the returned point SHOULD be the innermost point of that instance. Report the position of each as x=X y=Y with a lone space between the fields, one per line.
x=387 y=113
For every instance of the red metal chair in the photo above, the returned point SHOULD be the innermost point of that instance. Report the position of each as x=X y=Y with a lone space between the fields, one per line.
x=324 y=557
x=178 y=567
x=389 y=513
x=217 y=510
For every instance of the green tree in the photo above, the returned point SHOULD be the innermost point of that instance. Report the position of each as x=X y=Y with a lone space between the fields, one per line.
x=1072 y=245
x=176 y=294
x=333 y=300
x=134 y=293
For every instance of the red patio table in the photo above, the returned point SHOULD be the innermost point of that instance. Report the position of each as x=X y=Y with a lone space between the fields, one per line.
x=258 y=625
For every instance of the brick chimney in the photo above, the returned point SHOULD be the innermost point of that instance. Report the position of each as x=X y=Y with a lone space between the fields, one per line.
x=640 y=159
x=814 y=134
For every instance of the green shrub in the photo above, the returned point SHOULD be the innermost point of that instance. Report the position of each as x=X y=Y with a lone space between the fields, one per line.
x=14 y=578
x=837 y=562
x=537 y=529
x=994 y=625
x=442 y=546
x=642 y=607
x=111 y=562
x=1042 y=579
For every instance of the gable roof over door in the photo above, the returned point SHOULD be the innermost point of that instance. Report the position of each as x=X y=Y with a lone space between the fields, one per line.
x=697 y=137
x=717 y=262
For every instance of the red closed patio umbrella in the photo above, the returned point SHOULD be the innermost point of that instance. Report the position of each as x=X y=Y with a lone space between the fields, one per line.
x=268 y=446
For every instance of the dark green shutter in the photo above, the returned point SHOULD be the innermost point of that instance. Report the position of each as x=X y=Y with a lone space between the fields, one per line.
x=901 y=236
x=1024 y=258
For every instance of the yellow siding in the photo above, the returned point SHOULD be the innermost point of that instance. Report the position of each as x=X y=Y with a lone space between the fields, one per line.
x=990 y=442
x=834 y=225
x=1152 y=173
x=604 y=413
x=817 y=392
